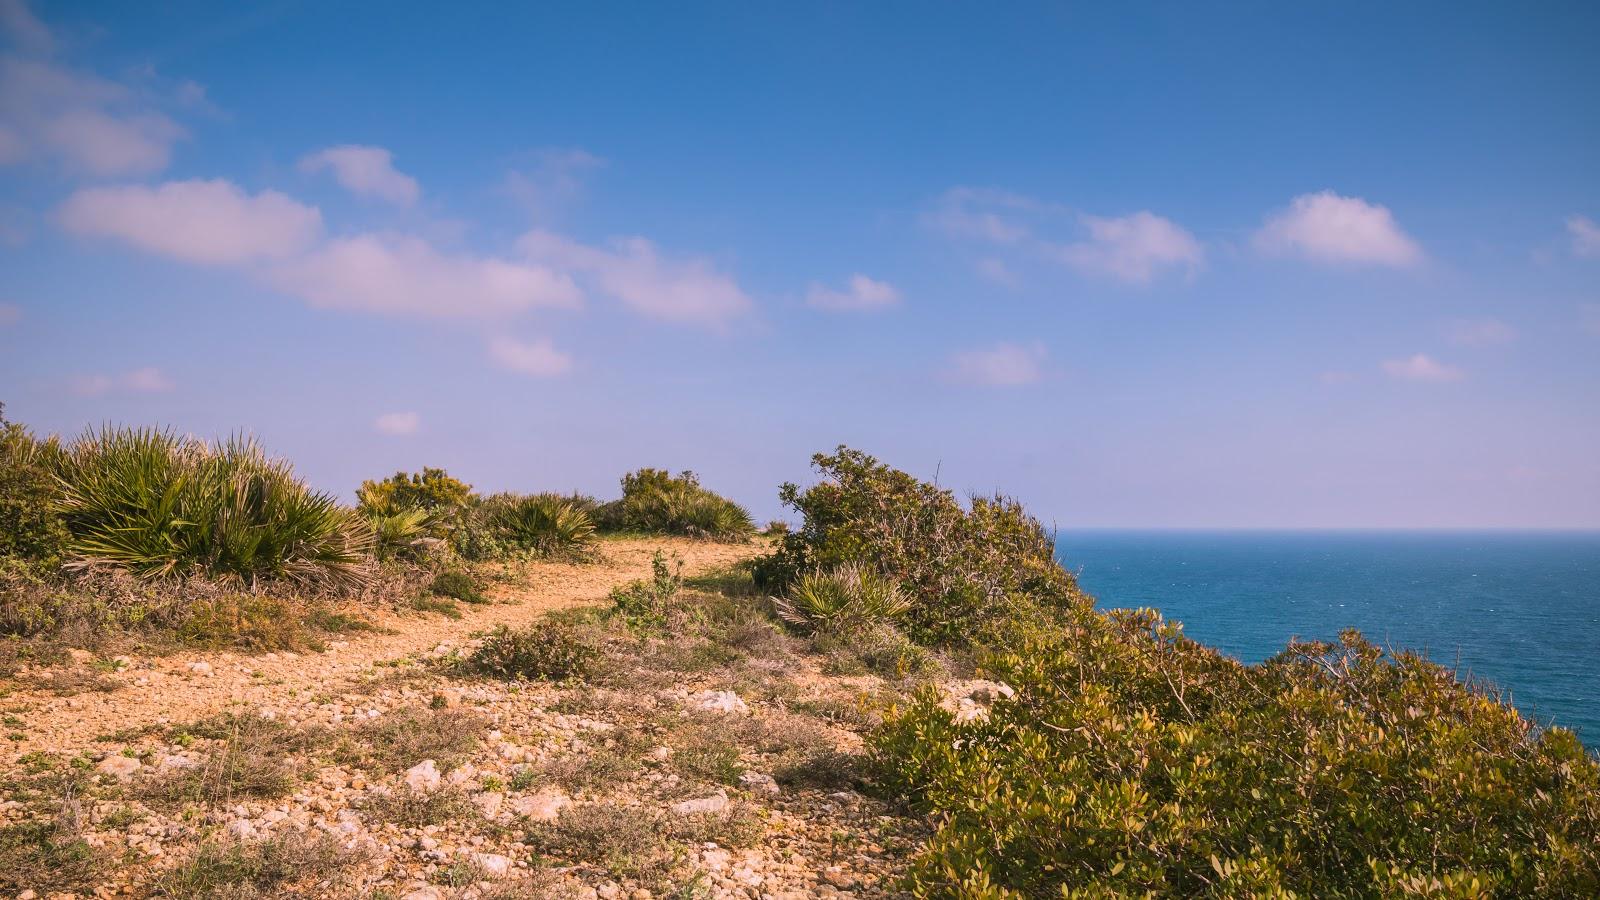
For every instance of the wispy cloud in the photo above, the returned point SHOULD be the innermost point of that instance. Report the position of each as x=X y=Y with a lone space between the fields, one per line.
x=86 y=124
x=22 y=26
x=1135 y=248
x=1132 y=248
x=1479 y=332
x=999 y=365
x=553 y=180
x=1422 y=367
x=397 y=274
x=1328 y=228
x=365 y=171
x=634 y=272
x=207 y=222
x=398 y=423
x=149 y=380
x=539 y=358
x=861 y=294
x=1585 y=235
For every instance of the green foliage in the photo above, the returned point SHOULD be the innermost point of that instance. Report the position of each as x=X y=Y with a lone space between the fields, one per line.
x=963 y=570
x=433 y=491
x=543 y=524
x=644 y=604
x=848 y=596
x=1133 y=762
x=551 y=652
x=403 y=533
x=656 y=502
x=30 y=524
x=458 y=585
x=157 y=504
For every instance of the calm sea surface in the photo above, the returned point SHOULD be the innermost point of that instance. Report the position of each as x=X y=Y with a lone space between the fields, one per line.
x=1521 y=610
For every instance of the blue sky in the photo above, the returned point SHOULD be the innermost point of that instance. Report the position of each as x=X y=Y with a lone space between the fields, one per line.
x=1172 y=265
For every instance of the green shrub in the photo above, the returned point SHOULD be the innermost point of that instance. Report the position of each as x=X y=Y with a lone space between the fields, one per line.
x=646 y=603
x=848 y=596
x=550 y=652
x=156 y=504
x=542 y=524
x=963 y=570
x=654 y=501
x=403 y=533
x=458 y=585
x=30 y=524
x=432 y=490
x=1133 y=762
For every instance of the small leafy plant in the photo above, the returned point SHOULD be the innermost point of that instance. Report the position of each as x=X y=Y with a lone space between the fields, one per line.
x=552 y=652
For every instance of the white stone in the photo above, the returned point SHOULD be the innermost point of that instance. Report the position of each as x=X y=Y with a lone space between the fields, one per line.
x=545 y=806
x=493 y=864
x=462 y=774
x=758 y=783
x=200 y=668
x=720 y=701
x=121 y=767
x=243 y=829
x=422 y=893
x=701 y=805
x=489 y=802
x=424 y=776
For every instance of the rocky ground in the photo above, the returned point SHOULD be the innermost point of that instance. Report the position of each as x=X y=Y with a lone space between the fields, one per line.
x=710 y=756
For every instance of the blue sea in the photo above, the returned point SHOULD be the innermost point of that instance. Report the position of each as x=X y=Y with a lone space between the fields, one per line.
x=1521 y=610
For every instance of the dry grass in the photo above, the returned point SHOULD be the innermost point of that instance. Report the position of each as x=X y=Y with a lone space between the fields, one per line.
x=288 y=864
x=400 y=739
x=256 y=758
x=410 y=808
x=48 y=854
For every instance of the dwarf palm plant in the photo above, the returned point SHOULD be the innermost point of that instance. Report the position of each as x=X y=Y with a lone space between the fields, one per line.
x=157 y=504
x=848 y=596
x=548 y=524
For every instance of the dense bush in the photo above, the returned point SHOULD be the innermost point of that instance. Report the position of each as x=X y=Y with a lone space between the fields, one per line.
x=542 y=652
x=849 y=596
x=645 y=603
x=30 y=524
x=457 y=586
x=544 y=524
x=655 y=501
x=962 y=569
x=432 y=491
x=157 y=504
x=1133 y=762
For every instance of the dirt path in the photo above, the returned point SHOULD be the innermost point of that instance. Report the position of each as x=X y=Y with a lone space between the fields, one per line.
x=188 y=686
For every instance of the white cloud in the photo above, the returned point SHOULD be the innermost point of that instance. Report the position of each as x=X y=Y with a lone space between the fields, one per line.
x=982 y=214
x=995 y=269
x=10 y=313
x=207 y=222
x=861 y=294
x=554 y=180
x=1132 y=248
x=398 y=423
x=1585 y=235
x=368 y=171
x=632 y=271
x=407 y=275
x=539 y=358
x=1326 y=227
x=87 y=124
x=25 y=28
x=1422 y=367
x=1001 y=365
x=148 y=380
x=1479 y=332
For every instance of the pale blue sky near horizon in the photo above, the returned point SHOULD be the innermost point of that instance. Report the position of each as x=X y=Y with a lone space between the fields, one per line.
x=1142 y=265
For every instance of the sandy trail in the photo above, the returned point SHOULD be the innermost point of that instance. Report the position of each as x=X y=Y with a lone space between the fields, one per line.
x=166 y=689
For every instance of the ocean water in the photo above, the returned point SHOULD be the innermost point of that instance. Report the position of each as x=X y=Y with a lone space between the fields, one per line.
x=1521 y=610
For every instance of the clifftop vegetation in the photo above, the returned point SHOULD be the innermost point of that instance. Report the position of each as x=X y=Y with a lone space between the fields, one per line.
x=1105 y=754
